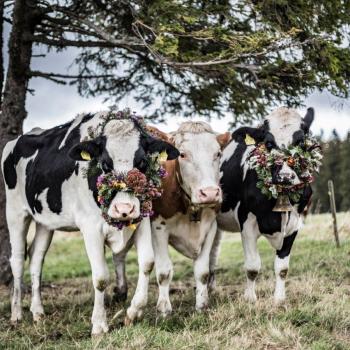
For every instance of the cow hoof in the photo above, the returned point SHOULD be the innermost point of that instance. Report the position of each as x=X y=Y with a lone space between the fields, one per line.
x=164 y=307
x=15 y=322
x=250 y=296
x=202 y=307
x=128 y=321
x=120 y=296
x=99 y=329
x=278 y=301
x=38 y=317
x=16 y=318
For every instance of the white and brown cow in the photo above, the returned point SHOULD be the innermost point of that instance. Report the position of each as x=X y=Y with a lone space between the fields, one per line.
x=247 y=210
x=186 y=211
x=46 y=182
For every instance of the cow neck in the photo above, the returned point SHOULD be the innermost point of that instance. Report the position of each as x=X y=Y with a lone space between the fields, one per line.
x=194 y=210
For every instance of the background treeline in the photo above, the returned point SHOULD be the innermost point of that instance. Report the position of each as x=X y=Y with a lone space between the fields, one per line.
x=336 y=167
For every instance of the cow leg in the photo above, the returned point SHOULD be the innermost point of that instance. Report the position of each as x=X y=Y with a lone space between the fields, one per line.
x=281 y=267
x=143 y=242
x=38 y=249
x=201 y=269
x=121 y=289
x=252 y=262
x=94 y=244
x=164 y=266
x=214 y=254
x=18 y=224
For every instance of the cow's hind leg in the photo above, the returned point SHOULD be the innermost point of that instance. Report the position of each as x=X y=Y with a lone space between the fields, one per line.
x=37 y=252
x=121 y=288
x=252 y=264
x=164 y=266
x=18 y=223
x=214 y=254
x=143 y=242
x=282 y=266
x=201 y=270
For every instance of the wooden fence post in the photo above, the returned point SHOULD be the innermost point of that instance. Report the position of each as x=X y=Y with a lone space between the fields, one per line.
x=334 y=211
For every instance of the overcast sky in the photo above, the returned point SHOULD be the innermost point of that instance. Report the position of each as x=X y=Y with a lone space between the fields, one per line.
x=54 y=104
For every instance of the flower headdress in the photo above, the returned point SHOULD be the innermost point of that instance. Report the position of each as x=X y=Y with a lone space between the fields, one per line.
x=304 y=160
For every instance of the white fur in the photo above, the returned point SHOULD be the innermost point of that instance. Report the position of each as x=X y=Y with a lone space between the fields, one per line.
x=283 y=122
x=244 y=163
x=228 y=151
x=280 y=265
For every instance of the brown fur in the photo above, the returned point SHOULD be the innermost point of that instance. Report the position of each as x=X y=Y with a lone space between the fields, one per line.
x=224 y=139
x=171 y=201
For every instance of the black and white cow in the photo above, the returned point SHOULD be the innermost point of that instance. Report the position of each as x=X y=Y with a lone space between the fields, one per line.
x=45 y=182
x=247 y=210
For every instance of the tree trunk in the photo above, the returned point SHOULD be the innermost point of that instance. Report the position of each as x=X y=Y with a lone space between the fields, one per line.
x=13 y=104
x=2 y=4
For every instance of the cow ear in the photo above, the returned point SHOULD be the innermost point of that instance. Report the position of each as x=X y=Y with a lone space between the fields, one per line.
x=153 y=145
x=86 y=150
x=248 y=135
x=308 y=119
x=224 y=139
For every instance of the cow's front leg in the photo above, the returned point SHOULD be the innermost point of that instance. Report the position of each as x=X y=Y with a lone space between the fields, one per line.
x=18 y=227
x=143 y=242
x=252 y=262
x=38 y=249
x=282 y=266
x=94 y=244
x=164 y=266
x=201 y=269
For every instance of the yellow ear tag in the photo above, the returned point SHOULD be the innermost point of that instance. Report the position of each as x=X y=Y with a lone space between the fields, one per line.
x=249 y=140
x=163 y=156
x=132 y=227
x=85 y=155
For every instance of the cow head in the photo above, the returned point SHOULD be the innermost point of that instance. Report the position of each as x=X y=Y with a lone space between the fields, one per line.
x=200 y=151
x=281 y=129
x=121 y=148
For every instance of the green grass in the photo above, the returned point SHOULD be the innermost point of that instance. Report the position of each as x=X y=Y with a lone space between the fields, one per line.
x=315 y=316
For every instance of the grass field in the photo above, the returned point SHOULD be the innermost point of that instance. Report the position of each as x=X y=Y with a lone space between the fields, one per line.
x=315 y=316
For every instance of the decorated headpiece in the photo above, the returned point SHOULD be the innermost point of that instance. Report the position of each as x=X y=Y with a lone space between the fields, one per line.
x=304 y=160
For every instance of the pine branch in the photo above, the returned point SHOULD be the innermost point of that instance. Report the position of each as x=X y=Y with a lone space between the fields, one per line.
x=57 y=77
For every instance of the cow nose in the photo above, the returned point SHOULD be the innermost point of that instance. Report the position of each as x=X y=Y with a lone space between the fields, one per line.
x=209 y=194
x=285 y=178
x=124 y=210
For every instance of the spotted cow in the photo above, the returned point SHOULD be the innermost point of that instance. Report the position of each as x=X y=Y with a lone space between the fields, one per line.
x=247 y=210
x=45 y=173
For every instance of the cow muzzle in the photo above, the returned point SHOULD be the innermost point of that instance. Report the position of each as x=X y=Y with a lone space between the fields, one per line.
x=209 y=195
x=287 y=177
x=124 y=211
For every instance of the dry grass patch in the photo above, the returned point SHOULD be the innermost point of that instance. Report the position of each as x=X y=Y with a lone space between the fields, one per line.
x=315 y=316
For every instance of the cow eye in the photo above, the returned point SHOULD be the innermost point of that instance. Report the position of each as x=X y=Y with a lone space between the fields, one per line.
x=106 y=167
x=269 y=145
x=182 y=155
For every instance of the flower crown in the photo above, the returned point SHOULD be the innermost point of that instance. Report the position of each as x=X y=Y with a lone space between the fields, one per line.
x=305 y=161
x=145 y=187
